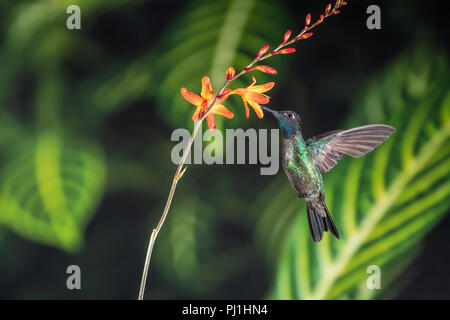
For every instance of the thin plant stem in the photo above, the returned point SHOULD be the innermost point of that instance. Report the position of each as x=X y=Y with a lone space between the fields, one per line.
x=180 y=171
x=156 y=230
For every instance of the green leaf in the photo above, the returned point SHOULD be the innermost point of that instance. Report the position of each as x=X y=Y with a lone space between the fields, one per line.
x=383 y=203
x=50 y=188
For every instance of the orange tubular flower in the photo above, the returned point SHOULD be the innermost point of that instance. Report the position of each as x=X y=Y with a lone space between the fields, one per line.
x=203 y=101
x=254 y=96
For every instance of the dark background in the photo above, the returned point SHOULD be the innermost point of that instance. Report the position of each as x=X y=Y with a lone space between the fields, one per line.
x=320 y=82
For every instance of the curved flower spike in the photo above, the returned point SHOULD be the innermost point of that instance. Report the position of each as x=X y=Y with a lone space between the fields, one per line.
x=254 y=96
x=203 y=101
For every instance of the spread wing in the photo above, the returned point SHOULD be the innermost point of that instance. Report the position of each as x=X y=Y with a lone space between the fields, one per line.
x=328 y=148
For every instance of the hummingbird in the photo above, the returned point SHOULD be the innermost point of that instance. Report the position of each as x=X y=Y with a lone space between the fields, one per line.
x=304 y=162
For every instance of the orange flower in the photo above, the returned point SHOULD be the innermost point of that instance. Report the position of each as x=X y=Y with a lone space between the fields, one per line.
x=203 y=101
x=254 y=96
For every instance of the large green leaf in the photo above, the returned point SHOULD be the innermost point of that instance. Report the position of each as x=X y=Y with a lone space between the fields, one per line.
x=383 y=203
x=49 y=189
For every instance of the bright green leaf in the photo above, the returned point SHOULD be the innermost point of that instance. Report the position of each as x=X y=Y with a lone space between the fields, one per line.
x=50 y=188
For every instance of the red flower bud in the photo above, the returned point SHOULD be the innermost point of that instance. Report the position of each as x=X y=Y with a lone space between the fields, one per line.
x=230 y=73
x=286 y=51
x=305 y=35
x=262 y=50
x=265 y=69
x=286 y=36
x=336 y=12
x=320 y=19
x=307 y=20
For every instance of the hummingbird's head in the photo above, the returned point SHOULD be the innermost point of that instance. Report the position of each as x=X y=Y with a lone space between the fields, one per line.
x=289 y=121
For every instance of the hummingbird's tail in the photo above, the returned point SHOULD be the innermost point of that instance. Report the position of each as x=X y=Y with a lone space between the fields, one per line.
x=319 y=218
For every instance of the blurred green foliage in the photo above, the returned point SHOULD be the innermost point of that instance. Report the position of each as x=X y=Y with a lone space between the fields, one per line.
x=49 y=189
x=383 y=203
x=85 y=122
x=209 y=38
x=207 y=35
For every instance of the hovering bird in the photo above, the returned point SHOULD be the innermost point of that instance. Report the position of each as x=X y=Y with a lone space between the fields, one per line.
x=305 y=161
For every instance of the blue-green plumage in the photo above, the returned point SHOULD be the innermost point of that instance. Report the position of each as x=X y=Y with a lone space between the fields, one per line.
x=305 y=161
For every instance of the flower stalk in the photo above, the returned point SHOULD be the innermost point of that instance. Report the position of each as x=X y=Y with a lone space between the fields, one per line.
x=231 y=76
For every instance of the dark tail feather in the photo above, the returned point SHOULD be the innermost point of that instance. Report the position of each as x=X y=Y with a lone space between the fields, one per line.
x=319 y=219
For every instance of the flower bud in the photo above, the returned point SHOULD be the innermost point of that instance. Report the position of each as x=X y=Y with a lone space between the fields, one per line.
x=286 y=50
x=263 y=50
x=286 y=36
x=305 y=35
x=307 y=20
x=230 y=73
x=320 y=20
x=266 y=69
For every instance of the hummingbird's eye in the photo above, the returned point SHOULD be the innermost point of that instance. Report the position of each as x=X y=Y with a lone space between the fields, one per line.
x=290 y=115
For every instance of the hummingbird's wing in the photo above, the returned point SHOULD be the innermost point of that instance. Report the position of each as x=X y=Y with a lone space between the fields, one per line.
x=329 y=147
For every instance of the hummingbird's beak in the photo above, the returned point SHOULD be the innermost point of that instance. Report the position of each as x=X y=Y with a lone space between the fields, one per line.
x=273 y=112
